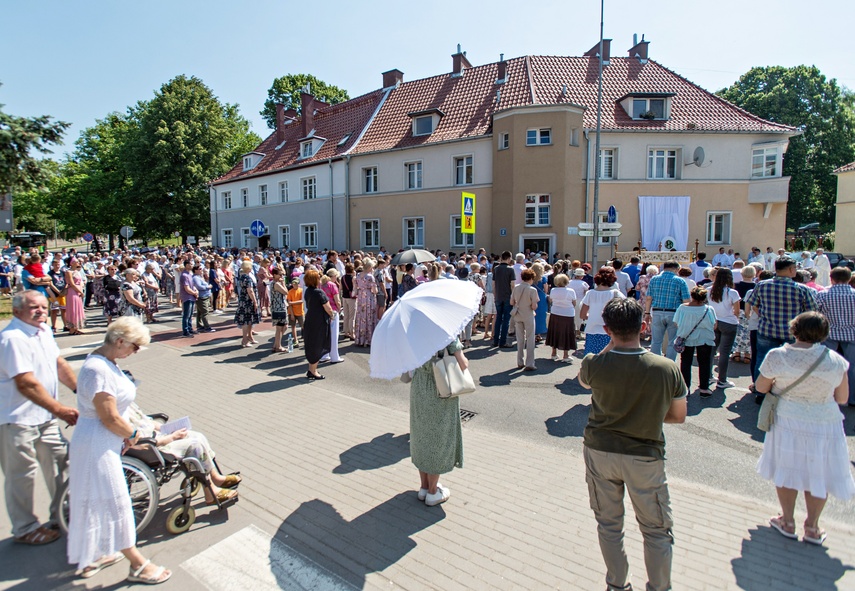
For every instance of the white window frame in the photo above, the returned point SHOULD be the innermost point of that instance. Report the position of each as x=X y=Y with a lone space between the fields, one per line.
x=465 y=240
x=611 y=155
x=308 y=188
x=374 y=230
x=418 y=172
x=416 y=120
x=227 y=199
x=244 y=197
x=283 y=192
x=653 y=155
x=647 y=108
x=538 y=136
x=504 y=140
x=307 y=149
x=245 y=236
x=369 y=179
x=536 y=206
x=227 y=238
x=262 y=194
x=726 y=227
x=247 y=162
x=764 y=153
x=603 y=217
x=282 y=232
x=416 y=222
x=304 y=243
x=461 y=164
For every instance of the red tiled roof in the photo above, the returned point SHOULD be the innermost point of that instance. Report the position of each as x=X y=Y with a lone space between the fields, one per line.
x=625 y=76
x=845 y=168
x=332 y=122
x=468 y=102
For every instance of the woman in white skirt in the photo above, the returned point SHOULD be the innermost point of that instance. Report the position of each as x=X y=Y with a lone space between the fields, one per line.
x=101 y=528
x=805 y=449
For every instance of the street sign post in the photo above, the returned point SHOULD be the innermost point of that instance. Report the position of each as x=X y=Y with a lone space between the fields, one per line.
x=603 y=233
x=257 y=228
x=612 y=215
x=467 y=225
x=126 y=232
x=88 y=237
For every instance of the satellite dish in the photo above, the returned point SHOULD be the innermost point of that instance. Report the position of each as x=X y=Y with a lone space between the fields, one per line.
x=698 y=156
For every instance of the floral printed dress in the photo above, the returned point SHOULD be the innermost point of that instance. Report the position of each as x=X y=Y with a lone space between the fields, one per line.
x=366 y=308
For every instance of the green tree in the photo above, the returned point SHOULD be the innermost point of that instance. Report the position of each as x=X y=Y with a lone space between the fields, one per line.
x=93 y=190
x=33 y=207
x=182 y=139
x=286 y=90
x=20 y=139
x=802 y=97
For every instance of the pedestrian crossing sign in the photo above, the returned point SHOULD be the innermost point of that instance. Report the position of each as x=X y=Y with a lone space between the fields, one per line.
x=467 y=225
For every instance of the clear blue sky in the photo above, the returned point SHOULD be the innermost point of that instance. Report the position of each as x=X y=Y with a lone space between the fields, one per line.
x=78 y=61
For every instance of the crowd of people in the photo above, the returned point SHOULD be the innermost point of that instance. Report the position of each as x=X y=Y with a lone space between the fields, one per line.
x=792 y=320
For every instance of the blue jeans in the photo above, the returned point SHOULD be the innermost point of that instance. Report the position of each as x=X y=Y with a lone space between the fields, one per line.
x=663 y=326
x=503 y=320
x=764 y=345
x=187 y=308
x=847 y=349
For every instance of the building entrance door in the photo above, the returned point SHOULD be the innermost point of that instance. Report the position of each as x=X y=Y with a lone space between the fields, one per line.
x=537 y=245
x=264 y=243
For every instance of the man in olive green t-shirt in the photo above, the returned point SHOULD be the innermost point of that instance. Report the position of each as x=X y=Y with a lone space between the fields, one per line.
x=634 y=392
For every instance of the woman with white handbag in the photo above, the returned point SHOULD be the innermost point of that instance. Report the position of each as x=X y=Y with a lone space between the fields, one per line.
x=436 y=437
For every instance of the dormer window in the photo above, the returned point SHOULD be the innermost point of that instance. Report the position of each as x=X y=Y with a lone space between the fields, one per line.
x=251 y=160
x=310 y=146
x=648 y=106
x=425 y=122
x=306 y=149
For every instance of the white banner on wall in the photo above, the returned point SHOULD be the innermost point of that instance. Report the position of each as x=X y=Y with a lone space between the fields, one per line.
x=662 y=217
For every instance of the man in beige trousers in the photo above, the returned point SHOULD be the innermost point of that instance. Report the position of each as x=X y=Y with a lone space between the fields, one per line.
x=634 y=392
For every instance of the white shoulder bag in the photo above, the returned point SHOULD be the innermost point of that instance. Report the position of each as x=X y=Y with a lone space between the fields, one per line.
x=450 y=379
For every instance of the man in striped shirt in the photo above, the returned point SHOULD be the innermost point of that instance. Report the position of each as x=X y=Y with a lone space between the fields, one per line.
x=837 y=303
x=777 y=301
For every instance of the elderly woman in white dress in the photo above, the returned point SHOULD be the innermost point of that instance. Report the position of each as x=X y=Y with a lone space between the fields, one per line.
x=101 y=528
x=805 y=448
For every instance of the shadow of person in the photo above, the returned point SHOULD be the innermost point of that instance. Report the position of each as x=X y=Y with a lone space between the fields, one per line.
x=571 y=387
x=502 y=378
x=383 y=450
x=747 y=411
x=796 y=566
x=696 y=404
x=353 y=549
x=571 y=424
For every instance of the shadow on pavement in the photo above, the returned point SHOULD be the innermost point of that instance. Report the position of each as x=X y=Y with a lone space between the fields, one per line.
x=571 y=424
x=571 y=387
x=696 y=404
x=384 y=450
x=273 y=386
x=370 y=543
x=770 y=561
x=503 y=378
x=17 y=566
x=747 y=411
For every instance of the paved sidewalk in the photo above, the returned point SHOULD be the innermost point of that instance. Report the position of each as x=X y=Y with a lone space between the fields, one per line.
x=329 y=501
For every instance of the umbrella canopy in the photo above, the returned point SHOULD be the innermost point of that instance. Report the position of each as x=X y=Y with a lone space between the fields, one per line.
x=414 y=255
x=421 y=323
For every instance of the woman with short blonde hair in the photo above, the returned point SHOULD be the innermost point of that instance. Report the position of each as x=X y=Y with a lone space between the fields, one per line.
x=247 y=312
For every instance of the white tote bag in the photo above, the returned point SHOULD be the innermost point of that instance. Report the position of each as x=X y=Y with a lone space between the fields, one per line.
x=450 y=379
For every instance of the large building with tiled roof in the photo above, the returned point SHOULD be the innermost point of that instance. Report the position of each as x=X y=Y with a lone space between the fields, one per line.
x=844 y=239
x=388 y=168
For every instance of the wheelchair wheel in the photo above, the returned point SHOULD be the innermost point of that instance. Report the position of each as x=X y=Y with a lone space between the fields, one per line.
x=141 y=486
x=197 y=486
x=179 y=520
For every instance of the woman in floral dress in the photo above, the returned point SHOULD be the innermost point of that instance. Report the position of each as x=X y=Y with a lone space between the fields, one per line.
x=263 y=278
x=113 y=293
x=366 y=304
x=152 y=287
x=247 y=311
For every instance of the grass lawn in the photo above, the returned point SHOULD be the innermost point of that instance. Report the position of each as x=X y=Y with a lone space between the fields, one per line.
x=5 y=308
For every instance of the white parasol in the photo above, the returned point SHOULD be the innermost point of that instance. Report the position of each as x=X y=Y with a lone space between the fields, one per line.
x=421 y=323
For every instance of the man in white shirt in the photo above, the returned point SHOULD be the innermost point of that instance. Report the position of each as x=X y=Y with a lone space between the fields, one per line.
x=698 y=267
x=806 y=262
x=823 y=268
x=519 y=265
x=731 y=257
x=624 y=282
x=769 y=259
x=30 y=372
x=721 y=259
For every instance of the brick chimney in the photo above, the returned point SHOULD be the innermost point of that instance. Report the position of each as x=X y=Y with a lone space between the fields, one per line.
x=607 y=50
x=280 y=123
x=392 y=78
x=307 y=102
x=459 y=62
x=503 y=69
x=639 y=49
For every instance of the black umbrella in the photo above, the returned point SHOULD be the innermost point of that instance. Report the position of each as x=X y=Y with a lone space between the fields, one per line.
x=414 y=255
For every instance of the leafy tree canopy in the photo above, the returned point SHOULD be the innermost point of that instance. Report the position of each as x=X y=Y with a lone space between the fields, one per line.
x=33 y=206
x=287 y=89
x=802 y=97
x=20 y=137
x=181 y=140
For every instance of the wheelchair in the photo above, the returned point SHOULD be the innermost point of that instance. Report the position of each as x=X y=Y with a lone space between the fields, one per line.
x=146 y=469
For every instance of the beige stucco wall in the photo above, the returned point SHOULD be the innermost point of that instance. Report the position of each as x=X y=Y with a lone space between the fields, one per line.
x=845 y=218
